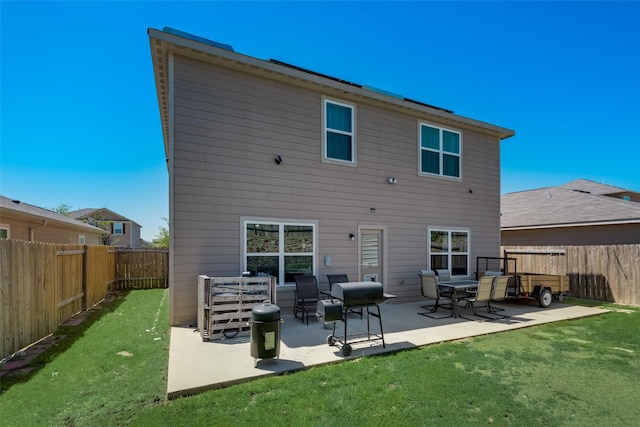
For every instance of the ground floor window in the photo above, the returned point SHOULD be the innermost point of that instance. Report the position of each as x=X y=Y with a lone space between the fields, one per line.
x=5 y=231
x=449 y=250
x=279 y=249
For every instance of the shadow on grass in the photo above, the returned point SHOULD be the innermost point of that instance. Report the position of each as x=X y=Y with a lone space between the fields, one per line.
x=63 y=338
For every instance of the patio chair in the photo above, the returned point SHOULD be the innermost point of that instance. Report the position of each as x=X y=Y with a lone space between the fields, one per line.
x=336 y=278
x=482 y=295
x=429 y=288
x=307 y=297
x=443 y=275
x=472 y=292
x=498 y=293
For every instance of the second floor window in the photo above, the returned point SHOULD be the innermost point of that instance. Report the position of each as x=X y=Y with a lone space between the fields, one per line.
x=339 y=135
x=440 y=151
x=118 y=228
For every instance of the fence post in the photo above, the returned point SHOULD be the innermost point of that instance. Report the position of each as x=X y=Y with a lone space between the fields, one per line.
x=84 y=277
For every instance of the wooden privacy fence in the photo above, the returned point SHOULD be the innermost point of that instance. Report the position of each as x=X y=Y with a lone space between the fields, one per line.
x=141 y=269
x=603 y=272
x=42 y=285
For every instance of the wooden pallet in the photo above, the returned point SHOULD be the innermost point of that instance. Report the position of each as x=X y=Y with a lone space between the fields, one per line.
x=225 y=304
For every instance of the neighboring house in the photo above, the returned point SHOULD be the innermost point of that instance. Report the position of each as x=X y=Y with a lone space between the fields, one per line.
x=22 y=221
x=278 y=170
x=123 y=232
x=581 y=212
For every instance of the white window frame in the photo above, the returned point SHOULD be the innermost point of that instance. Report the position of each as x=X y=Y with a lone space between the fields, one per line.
x=6 y=227
x=119 y=231
x=81 y=239
x=440 y=152
x=449 y=252
x=281 y=252
x=325 y=129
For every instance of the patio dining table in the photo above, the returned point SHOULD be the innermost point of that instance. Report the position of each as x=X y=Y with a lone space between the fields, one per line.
x=458 y=289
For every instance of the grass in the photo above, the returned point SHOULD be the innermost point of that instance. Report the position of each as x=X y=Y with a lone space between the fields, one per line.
x=106 y=370
x=582 y=372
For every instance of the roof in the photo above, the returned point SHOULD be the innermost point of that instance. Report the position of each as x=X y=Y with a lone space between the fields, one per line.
x=168 y=41
x=103 y=213
x=40 y=214
x=564 y=207
x=593 y=187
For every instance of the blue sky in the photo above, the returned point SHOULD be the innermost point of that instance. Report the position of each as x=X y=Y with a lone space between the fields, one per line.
x=79 y=113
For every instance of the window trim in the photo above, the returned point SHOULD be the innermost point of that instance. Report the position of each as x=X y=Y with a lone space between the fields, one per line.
x=449 y=253
x=440 y=151
x=281 y=253
x=82 y=239
x=325 y=129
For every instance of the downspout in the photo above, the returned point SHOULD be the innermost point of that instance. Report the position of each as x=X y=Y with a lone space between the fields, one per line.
x=44 y=224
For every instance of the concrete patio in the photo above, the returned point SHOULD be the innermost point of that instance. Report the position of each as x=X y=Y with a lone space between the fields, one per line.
x=195 y=366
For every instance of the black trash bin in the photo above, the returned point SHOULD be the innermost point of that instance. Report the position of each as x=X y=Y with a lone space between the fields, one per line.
x=265 y=332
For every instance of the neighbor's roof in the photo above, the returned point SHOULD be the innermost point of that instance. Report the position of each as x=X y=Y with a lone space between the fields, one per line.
x=103 y=213
x=36 y=213
x=173 y=41
x=563 y=207
x=593 y=187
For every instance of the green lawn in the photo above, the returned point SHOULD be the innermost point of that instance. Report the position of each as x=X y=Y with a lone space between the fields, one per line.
x=583 y=372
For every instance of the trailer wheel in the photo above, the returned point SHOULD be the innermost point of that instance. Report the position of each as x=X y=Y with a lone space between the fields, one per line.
x=346 y=349
x=331 y=340
x=544 y=299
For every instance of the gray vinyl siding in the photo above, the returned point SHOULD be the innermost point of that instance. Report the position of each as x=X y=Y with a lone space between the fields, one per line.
x=228 y=127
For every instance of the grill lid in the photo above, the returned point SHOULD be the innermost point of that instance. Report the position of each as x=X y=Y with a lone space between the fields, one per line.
x=358 y=293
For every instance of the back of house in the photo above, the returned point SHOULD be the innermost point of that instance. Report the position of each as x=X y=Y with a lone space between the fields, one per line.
x=274 y=169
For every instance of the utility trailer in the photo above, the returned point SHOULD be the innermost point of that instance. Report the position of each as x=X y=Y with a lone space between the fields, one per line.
x=544 y=288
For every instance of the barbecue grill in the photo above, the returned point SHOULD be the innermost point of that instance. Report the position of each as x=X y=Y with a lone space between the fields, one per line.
x=345 y=296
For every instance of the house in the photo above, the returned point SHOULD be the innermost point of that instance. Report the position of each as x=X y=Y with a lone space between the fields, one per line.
x=123 y=232
x=22 y=221
x=580 y=212
x=274 y=169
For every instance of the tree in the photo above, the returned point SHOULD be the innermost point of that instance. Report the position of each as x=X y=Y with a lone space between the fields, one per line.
x=63 y=209
x=161 y=240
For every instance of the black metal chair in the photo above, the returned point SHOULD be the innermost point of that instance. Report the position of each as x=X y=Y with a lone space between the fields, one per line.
x=336 y=278
x=307 y=297
x=342 y=278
